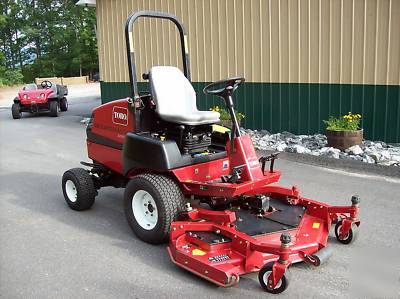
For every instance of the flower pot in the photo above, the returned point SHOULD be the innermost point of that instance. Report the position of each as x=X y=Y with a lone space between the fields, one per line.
x=227 y=123
x=344 y=139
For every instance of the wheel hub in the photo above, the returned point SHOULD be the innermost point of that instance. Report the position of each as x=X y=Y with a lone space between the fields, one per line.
x=144 y=209
x=266 y=276
x=71 y=191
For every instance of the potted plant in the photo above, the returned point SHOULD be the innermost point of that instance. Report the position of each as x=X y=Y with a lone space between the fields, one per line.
x=344 y=131
x=225 y=117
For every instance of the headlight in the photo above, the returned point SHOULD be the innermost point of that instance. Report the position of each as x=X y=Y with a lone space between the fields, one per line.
x=42 y=95
x=26 y=96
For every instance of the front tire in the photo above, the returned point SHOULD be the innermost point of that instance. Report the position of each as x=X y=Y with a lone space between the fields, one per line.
x=15 y=110
x=78 y=189
x=64 y=104
x=54 y=108
x=151 y=203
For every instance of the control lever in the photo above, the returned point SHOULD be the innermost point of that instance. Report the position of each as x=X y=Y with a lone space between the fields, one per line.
x=271 y=158
x=235 y=176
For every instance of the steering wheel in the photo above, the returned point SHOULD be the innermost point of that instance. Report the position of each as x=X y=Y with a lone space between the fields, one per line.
x=46 y=84
x=223 y=88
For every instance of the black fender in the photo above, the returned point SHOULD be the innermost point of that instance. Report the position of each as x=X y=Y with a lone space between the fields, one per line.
x=141 y=151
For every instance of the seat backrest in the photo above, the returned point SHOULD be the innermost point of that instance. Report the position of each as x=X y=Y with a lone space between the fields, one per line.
x=172 y=92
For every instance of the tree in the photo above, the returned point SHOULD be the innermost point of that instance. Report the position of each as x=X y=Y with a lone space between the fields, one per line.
x=47 y=38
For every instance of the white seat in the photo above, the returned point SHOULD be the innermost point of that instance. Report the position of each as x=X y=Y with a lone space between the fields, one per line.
x=175 y=98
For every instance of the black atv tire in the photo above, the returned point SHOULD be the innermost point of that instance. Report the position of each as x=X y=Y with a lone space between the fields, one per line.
x=63 y=104
x=54 y=108
x=153 y=223
x=15 y=110
x=78 y=189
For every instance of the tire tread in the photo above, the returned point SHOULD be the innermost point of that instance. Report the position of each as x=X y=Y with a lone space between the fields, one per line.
x=86 y=188
x=173 y=200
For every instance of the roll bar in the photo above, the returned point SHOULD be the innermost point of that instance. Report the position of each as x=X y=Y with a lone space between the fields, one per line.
x=129 y=44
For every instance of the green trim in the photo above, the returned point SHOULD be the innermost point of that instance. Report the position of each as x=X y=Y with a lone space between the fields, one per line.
x=300 y=107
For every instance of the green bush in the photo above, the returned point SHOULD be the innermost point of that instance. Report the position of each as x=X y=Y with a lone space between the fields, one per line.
x=9 y=77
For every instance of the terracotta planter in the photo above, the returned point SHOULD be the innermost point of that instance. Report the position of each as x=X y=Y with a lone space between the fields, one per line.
x=227 y=123
x=344 y=139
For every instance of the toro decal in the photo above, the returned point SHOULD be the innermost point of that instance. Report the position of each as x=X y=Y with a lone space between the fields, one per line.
x=120 y=116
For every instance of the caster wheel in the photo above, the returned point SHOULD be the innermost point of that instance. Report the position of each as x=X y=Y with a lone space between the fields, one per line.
x=350 y=237
x=263 y=275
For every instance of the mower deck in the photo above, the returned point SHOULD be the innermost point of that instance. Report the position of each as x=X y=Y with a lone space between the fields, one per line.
x=220 y=246
x=284 y=218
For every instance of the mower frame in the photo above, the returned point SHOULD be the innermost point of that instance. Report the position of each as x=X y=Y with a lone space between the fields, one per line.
x=252 y=225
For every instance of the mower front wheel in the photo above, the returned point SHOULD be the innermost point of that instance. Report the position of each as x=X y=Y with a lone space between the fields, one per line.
x=54 y=108
x=151 y=203
x=15 y=110
x=78 y=189
x=263 y=276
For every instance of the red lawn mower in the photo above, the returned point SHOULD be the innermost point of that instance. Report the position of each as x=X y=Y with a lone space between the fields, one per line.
x=206 y=192
x=46 y=97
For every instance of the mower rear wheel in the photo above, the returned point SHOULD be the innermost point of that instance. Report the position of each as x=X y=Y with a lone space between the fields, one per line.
x=54 y=108
x=63 y=104
x=15 y=110
x=350 y=237
x=263 y=276
x=151 y=203
x=78 y=189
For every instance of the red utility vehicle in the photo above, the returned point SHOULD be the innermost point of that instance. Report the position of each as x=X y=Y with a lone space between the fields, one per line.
x=40 y=98
x=206 y=192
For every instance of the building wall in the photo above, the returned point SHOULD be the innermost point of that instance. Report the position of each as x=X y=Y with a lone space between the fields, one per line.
x=303 y=60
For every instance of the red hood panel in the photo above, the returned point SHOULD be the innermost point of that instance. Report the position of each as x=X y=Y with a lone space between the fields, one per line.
x=34 y=95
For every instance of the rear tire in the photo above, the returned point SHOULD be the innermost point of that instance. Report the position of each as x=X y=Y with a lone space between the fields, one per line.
x=64 y=104
x=151 y=203
x=78 y=189
x=54 y=108
x=15 y=110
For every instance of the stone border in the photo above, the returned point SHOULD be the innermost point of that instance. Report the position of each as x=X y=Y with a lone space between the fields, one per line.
x=342 y=164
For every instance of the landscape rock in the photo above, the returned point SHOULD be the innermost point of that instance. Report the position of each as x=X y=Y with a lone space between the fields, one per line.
x=369 y=151
x=355 y=150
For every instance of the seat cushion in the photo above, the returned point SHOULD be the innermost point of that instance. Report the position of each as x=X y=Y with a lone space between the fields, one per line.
x=175 y=98
x=194 y=119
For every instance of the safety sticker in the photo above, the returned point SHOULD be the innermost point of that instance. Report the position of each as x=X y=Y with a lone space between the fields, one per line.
x=315 y=225
x=198 y=252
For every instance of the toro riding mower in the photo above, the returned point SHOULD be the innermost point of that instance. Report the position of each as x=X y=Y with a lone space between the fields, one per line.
x=46 y=97
x=206 y=192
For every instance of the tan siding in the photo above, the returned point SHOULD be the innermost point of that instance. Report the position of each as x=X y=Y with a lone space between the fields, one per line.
x=394 y=44
x=352 y=41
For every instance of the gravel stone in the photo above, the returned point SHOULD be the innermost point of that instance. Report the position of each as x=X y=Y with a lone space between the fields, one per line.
x=369 y=151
